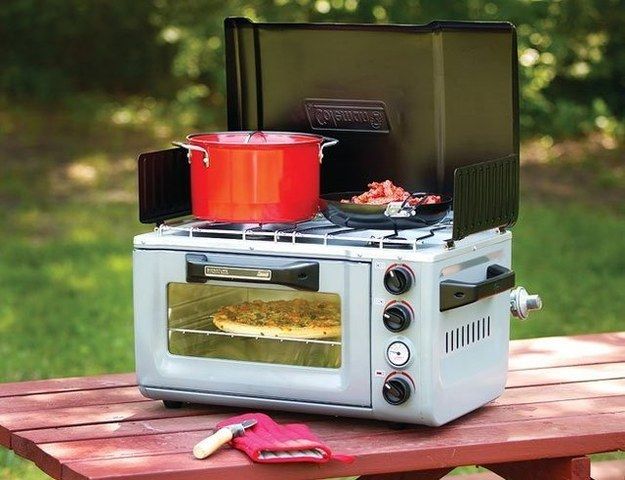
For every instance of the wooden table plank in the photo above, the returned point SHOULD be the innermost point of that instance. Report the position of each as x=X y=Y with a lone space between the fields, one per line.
x=559 y=375
x=85 y=415
x=397 y=451
x=567 y=351
x=72 y=416
x=557 y=388
x=567 y=391
x=50 y=451
x=42 y=402
x=196 y=420
x=489 y=414
x=68 y=384
x=517 y=379
x=570 y=468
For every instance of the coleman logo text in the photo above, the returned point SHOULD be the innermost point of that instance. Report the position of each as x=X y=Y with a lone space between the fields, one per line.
x=237 y=273
x=352 y=115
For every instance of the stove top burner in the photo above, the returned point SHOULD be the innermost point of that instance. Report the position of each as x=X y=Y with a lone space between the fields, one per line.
x=317 y=231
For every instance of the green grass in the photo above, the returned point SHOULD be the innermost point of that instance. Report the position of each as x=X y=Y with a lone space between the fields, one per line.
x=69 y=214
x=572 y=254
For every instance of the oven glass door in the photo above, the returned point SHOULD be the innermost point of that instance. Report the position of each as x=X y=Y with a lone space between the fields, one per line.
x=255 y=324
x=249 y=325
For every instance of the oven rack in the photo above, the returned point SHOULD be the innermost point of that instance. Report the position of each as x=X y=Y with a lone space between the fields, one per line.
x=257 y=337
x=313 y=232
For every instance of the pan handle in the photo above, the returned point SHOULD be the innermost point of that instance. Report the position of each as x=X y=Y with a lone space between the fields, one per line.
x=189 y=148
x=326 y=142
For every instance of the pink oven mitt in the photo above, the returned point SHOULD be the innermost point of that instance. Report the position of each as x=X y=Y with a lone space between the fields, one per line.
x=269 y=442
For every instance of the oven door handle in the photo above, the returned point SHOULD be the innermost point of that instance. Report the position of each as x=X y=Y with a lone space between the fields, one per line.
x=297 y=274
x=454 y=293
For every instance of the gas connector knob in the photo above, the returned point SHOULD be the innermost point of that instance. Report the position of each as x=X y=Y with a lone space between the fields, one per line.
x=522 y=303
x=398 y=279
x=397 y=317
x=396 y=390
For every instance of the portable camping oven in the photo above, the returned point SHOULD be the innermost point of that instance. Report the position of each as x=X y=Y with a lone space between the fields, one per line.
x=423 y=313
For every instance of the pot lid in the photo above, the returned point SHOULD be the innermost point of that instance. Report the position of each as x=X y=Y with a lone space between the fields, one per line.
x=258 y=138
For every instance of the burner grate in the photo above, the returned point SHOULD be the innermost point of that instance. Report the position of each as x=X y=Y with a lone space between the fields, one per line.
x=316 y=231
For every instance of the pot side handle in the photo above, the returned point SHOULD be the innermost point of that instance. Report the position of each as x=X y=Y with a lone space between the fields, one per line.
x=189 y=148
x=326 y=142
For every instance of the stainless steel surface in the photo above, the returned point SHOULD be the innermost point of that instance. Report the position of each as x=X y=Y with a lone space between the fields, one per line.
x=429 y=370
x=317 y=231
x=238 y=429
x=458 y=358
x=266 y=368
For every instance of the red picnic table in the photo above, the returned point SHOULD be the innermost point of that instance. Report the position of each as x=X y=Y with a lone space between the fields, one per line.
x=565 y=399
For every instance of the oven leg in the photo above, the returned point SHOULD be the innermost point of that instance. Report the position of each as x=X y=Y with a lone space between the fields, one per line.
x=172 y=404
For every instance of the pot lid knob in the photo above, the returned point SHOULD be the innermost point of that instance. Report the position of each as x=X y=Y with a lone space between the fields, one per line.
x=256 y=137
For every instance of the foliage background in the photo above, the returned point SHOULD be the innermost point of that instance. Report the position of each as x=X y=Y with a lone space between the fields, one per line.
x=87 y=84
x=572 y=53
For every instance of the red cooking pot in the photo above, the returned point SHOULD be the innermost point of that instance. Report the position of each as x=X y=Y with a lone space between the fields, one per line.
x=255 y=177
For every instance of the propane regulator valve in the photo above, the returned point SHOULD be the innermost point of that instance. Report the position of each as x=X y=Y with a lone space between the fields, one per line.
x=522 y=303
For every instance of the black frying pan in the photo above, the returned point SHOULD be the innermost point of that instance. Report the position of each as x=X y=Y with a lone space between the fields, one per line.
x=356 y=215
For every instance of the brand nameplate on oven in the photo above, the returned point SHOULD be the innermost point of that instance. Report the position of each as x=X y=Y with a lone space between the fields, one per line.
x=347 y=115
x=237 y=273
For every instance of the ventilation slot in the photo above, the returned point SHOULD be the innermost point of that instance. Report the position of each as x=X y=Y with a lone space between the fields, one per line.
x=466 y=335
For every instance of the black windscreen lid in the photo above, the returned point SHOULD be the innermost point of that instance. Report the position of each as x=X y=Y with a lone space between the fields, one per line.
x=411 y=103
x=164 y=183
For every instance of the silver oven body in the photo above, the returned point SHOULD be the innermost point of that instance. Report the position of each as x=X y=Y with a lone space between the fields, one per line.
x=407 y=326
x=447 y=361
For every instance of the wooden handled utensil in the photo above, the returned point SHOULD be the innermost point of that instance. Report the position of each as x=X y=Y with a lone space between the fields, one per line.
x=222 y=436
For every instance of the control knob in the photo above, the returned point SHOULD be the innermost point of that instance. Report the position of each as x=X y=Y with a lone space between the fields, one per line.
x=396 y=390
x=398 y=279
x=397 y=317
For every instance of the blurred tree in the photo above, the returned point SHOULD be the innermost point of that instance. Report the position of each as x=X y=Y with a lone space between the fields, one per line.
x=571 y=52
x=54 y=47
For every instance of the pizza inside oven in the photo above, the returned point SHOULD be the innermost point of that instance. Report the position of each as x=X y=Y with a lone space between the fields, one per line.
x=297 y=318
